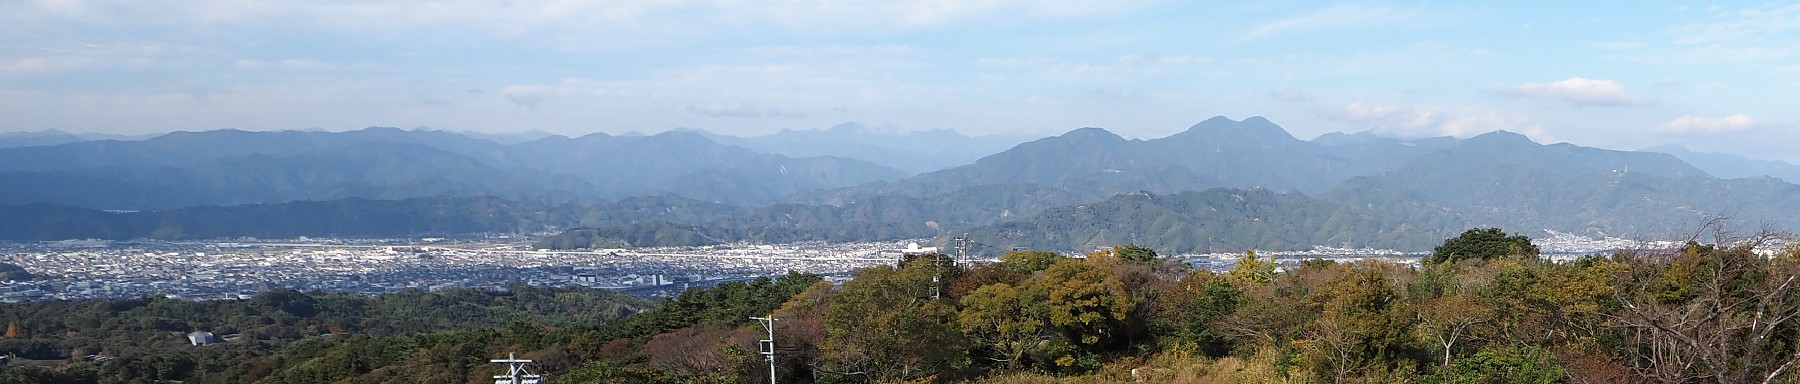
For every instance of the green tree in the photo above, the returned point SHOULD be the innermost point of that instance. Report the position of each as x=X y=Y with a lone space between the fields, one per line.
x=1504 y=365
x=1029 y=261
x=884 y=325
x=1482 y=243
x=1135 y=254
x=1250 y=271
x=1366 y=327
x=1195 y=302
x=1007 y=322
x=1088 y=304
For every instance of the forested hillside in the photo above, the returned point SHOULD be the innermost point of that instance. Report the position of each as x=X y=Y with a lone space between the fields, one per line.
x=145 y=340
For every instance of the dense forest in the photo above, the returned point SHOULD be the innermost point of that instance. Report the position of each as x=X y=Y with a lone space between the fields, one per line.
x=1484 y=308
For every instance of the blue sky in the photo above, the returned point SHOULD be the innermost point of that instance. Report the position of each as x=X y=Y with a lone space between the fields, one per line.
x=1618 y=75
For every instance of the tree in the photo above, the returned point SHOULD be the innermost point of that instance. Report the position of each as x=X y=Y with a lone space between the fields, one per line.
x=1451 y=319
x=1733 y=322
x=1135 y=254
x=1029 y=261
x=1088 y=304
x=1250 y=271
x=14 y=331
x=1504 y=365
x=1483 y=244
x=1365 y=327
x=1194 y=304
x=884 y=325
x=1008 y=322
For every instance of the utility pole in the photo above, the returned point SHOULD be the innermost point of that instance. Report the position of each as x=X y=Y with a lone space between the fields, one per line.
x=767 y=347
x=515 y=371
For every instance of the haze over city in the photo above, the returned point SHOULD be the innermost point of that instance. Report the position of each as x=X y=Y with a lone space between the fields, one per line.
x=1619 y=76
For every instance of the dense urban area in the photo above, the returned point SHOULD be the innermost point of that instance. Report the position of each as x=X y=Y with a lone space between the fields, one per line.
x=211 y=270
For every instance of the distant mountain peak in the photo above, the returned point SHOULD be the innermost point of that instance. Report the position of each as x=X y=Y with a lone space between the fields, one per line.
x=846 y=127
x=1223 y=128
x=1092 y=133
x=1500 y=137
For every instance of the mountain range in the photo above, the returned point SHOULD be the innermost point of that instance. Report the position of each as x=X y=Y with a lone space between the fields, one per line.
x=913 y=152
x=1731 y=166
x=226 y=167
x=1220 y=185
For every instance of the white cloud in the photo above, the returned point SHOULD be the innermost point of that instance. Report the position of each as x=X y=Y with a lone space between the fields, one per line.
x=1576 y=90
x=1346 y=15
x=1703 y=124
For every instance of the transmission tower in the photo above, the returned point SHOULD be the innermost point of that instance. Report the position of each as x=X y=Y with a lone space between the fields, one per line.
x=515 y=371
x=962 y=247
x=767 y=346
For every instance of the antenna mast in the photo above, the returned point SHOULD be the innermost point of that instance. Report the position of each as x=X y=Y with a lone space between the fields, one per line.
x=515 y=371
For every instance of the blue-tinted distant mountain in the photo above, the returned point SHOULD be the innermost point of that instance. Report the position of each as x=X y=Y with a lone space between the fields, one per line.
x=368 y=170
x=1095 y=164
x=39 y=138
x=187 y=148
x=1434 y=184
x=242 y=167
x=913 y=152
x=1378 y=152
x=689 y=164
x=54 y=137
x=508 y=138
x=1068 y=191
x=1731 y=166
x=1507 y=148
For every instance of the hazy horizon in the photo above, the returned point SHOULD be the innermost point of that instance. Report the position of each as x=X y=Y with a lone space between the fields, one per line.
x=1622 y=77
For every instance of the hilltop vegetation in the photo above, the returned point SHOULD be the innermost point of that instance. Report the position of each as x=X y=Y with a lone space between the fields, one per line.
x=1717 y=313
x=143 y=340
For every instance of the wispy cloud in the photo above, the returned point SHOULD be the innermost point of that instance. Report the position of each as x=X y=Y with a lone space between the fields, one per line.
x=1345 y=15
x=1577 y=91
x=1704 y=124
x=1761 y=33
x=1735 y=26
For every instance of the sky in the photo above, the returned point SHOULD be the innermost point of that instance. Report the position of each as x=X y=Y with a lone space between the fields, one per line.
x=1620 y=75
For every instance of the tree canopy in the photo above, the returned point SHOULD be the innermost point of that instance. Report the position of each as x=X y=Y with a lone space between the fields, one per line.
x=1698 y=313
x=1483 y=244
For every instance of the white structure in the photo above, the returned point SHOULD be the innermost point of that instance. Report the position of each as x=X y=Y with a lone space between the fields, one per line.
x=199 y=338
x=913 y=249
x=515 y=371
